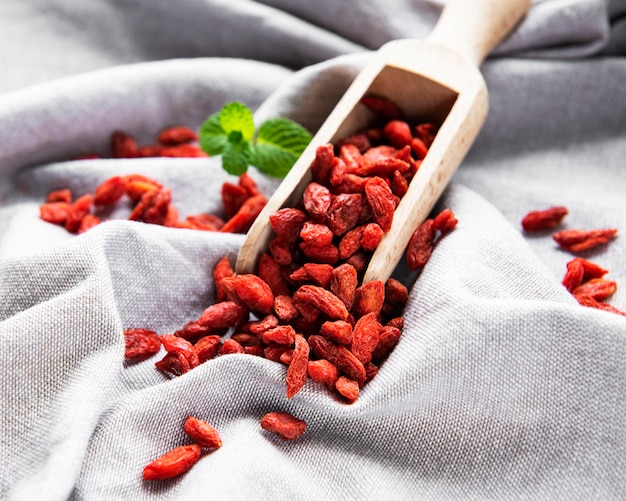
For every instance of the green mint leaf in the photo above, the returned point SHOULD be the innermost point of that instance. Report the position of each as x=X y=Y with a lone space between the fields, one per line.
x=237 y=117
x=236 y=157
x=279 y=143
x=211 y=136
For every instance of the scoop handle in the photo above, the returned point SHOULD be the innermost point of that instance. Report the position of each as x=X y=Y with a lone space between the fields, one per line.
x=474 y=27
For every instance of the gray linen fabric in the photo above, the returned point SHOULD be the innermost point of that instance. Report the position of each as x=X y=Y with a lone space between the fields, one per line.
x=502 y=386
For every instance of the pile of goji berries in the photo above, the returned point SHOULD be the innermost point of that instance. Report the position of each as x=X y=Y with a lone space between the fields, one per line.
x=150 y=201
x=306 y=306
x=583 y=278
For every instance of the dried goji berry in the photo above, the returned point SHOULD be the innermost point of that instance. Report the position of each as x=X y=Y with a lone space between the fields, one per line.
x=141 y=343
x=177 y=135
x=233 y=197
x=282 y=334
x=109 y=191
x=322 y=371
x=207 y=347
x=372 y=235
x=322 y=299
x=445 y=221
x=338 y=331
x=582 y=240
x=347 y=388
x=591 y=270
x=322 y=163
x=574 y=275
x=173 y=463
x=340 y=356
x=62 y=195
x=343 y=213
x=599 y=289
x=426 y=132
x=316 y=199
x=179 y=345
x=588 y=301
x=152 y=207
x=365 y=337
x=287 y=223
x=343 y=283
x=284 y=308
x=123 y=145
x=350 y=243
x=283 y=424
x=55 y=212
x=270 y=272
x=369 y=298
x=398 y=133
x=224 y=314
x=316 y=233
x=174 y=364
x=137 y=185
x=230 y=346
x=388 y=337
x=420 y=245
x=297 y=370
x=381 y=200
x=245 y=216
x=87 y=222
x=325 y=254
x=248 y=184
x=382 y=106
x=250 y=290
x=202 y=433
x=78 y=209
x=545 y=219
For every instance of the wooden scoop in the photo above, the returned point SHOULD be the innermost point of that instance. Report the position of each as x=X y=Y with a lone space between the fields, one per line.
x=434 y=80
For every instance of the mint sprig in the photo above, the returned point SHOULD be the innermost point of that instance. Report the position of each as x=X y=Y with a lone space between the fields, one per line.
x=272 y=150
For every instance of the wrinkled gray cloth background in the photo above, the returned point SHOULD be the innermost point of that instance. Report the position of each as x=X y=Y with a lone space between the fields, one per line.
x=502 y=386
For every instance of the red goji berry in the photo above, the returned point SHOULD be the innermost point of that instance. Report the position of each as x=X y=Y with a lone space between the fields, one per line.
x=179 y=345
x=347 y=388
x=297 y=370
x=574 y=275
x=123 y=145
x=369 y=298
x=224 y=314
x=398 y=133
x=340 y=356
x=382 y=106
x=322 y=299
x=343 y=283
x=233 y=197
x=287 y=223
x=316 y=200
x=202 y=433
x=420 y=245
x=245 y=216
x=270 y=272
x=55 y=212
x=582 y=240
x=284 y=308
x=599 y=289
x=207 y=347
x=324 y=372
x=251 y=291
x=283 y=424
x=174 y=463
x=343 y=213
x=381 y=200
x=588 y=301
x=545 y=219
x=365 y=337
x=338 y=331
x=177 y=135
x=141 y=343
x=62 y=195
x=109 y=191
